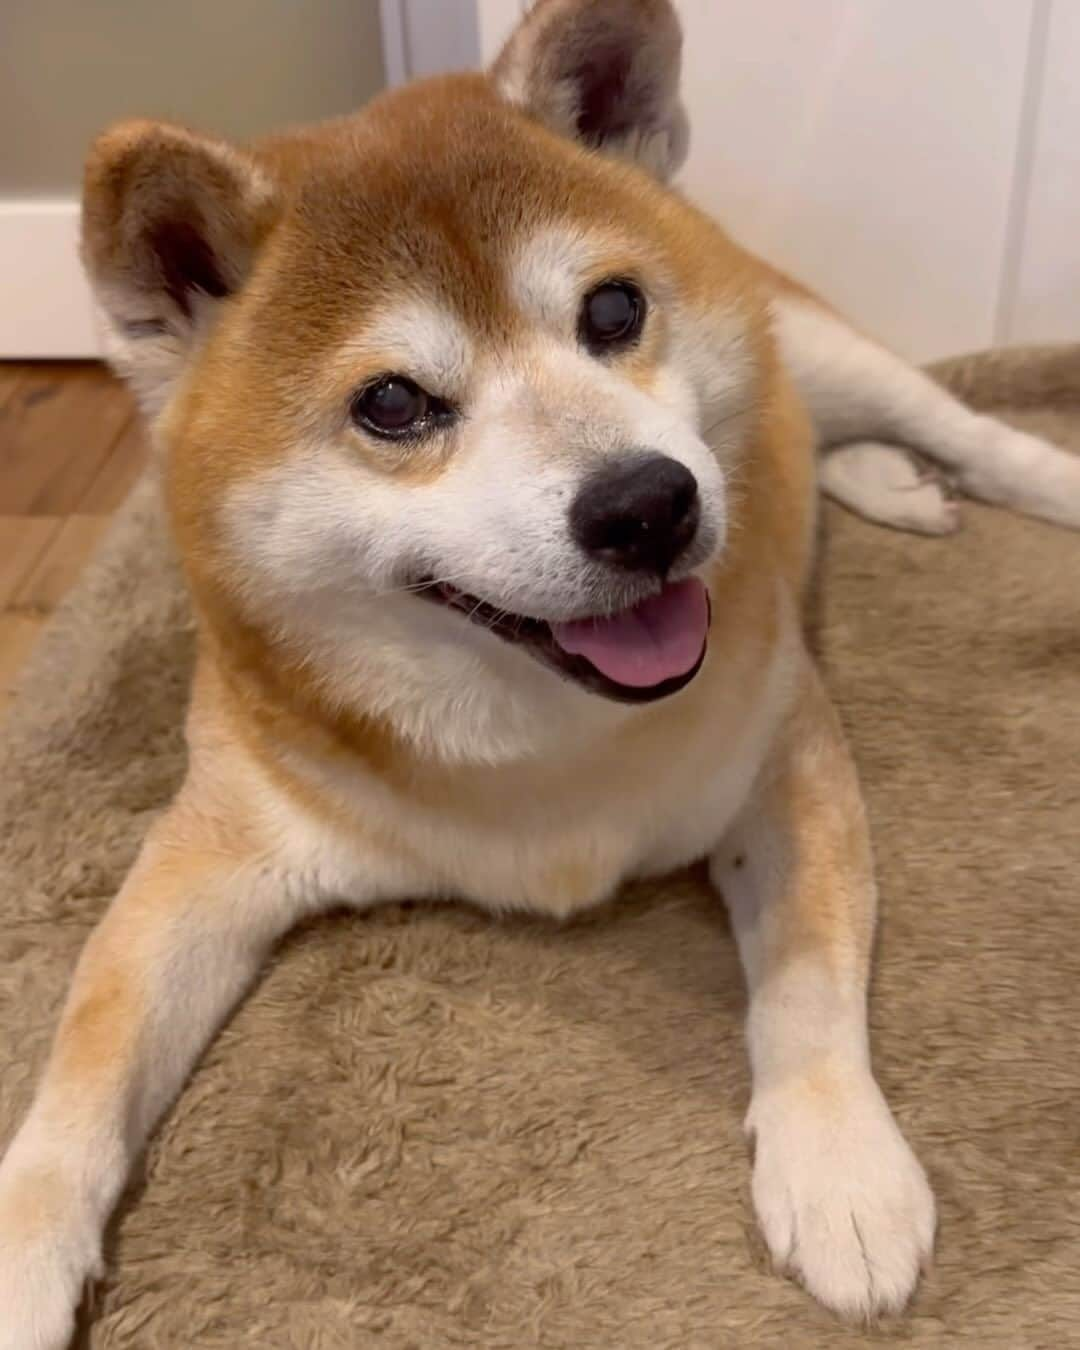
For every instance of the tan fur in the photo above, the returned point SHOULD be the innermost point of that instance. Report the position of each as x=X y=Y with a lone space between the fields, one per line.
x=313 y=780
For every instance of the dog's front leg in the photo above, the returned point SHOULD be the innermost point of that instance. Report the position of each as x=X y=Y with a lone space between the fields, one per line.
x=841 y=1198
x=180 y=944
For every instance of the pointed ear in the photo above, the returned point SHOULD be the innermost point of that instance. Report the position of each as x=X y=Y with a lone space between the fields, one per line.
x=603 y=72
x=171 y=223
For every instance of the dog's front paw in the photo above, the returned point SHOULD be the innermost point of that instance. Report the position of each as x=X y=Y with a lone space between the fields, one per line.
x=46 y=1257
x=842 y=1201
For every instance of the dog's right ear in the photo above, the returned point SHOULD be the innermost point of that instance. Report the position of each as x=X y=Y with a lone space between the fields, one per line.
x=170 y=226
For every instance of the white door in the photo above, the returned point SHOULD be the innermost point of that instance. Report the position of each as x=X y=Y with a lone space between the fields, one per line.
x=868 y=146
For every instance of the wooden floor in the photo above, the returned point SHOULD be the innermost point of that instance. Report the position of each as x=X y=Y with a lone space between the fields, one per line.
x=70 y=448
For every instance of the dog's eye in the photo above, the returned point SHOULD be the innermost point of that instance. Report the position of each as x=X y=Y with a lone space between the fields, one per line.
x=612 y=315
x=395 y=406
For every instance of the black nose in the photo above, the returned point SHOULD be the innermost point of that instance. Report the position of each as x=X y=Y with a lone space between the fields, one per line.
x=638 y=512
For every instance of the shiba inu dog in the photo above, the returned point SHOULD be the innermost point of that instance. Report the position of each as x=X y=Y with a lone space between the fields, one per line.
x=491 y=462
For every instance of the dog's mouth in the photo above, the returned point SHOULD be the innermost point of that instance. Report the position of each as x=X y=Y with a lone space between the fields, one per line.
x=636 y=655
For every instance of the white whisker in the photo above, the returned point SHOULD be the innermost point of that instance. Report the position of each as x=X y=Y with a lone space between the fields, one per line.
x=415 y=587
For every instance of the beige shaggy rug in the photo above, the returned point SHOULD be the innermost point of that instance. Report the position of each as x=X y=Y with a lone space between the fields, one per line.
x=426 y=1129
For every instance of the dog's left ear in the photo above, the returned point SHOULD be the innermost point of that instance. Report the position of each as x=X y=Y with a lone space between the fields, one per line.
x=171 y=225
x=603 y=72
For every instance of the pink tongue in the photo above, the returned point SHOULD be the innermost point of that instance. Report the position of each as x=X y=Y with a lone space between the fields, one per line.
x=657 y=640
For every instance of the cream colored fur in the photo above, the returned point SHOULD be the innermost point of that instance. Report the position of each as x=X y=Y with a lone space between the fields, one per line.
x=865 y=401
x=351 y=743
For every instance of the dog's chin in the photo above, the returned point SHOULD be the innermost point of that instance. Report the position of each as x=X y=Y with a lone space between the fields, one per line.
x=537 y=637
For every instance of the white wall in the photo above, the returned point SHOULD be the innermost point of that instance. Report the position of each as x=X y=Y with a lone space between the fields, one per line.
x=869 y=146
x=235 y=67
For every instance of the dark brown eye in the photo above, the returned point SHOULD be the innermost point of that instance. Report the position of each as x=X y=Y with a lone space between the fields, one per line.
x=612 y=315
x=395 y=406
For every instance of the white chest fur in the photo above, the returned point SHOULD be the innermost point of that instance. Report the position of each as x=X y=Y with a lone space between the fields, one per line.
x=550 y=835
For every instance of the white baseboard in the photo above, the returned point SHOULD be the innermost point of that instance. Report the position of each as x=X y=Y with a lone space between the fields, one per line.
x=45 y=304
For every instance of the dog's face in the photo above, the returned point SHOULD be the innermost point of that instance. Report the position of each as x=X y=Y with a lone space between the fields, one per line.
x=441 y=379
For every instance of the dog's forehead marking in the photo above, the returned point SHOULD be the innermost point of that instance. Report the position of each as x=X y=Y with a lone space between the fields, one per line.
x=418 y=337
x=549 y=269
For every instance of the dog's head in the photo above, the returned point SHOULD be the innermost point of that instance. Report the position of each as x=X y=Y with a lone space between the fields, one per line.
x=453 y=390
